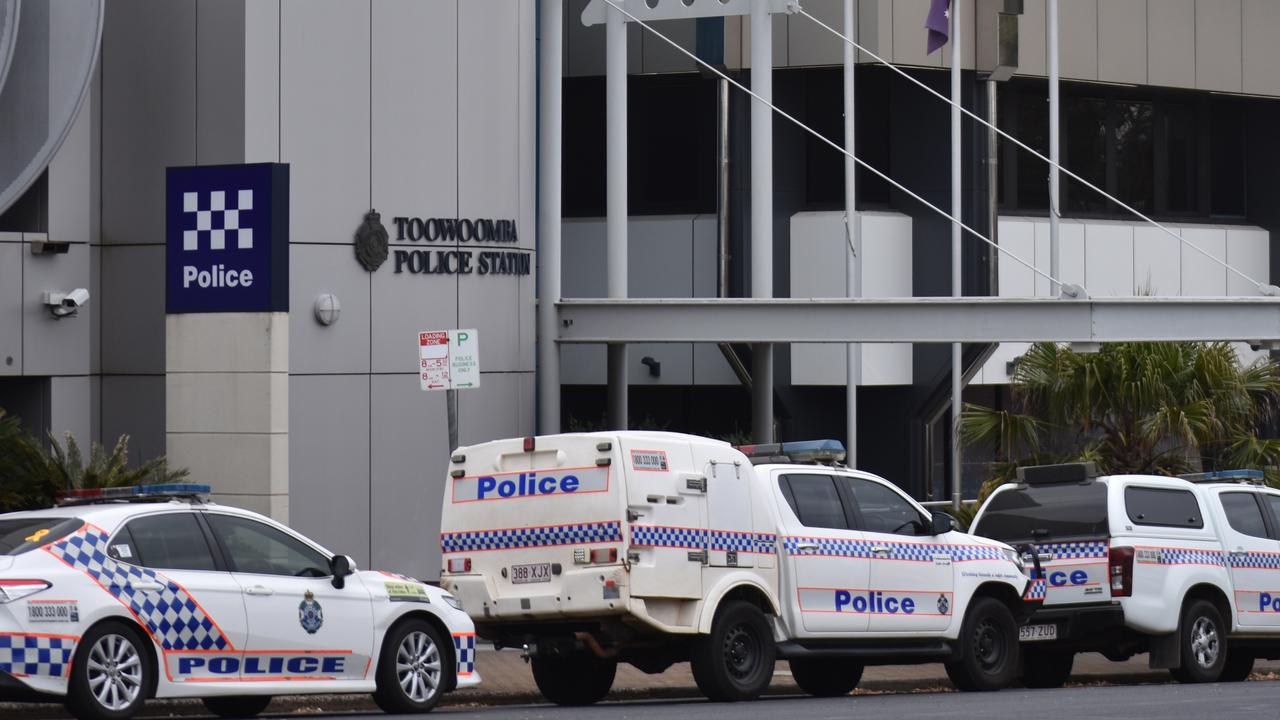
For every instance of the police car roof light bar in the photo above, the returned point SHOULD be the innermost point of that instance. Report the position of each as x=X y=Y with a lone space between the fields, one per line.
x=136 y=492
x=1238 y=475
x=1061 y=474
x=818 y=452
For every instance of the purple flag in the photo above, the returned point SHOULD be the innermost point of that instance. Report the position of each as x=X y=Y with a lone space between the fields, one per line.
x=937 y=25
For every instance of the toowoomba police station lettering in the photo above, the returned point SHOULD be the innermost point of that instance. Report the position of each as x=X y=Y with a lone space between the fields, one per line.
x=458 y=260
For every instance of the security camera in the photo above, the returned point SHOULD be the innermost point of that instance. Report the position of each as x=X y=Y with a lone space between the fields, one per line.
x=66 y=304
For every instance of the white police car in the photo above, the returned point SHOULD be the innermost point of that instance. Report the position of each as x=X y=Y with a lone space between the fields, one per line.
x=123 y=594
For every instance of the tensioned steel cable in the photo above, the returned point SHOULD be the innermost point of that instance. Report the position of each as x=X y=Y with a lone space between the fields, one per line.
x=1261 y=286
x=834 y=145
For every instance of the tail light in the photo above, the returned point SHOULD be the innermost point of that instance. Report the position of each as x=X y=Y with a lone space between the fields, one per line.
x=604 y=555
x=459 y=565
x=528 y=444
x=1120 y=571
x=11 y=590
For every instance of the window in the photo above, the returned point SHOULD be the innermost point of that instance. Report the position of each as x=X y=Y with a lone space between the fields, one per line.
x=173 y=541
x=254 y=547
x=1044 y=512
x=814 y=499
x=1166 y=508
x=18 y=535
x=885 y=511
x=1243 y=513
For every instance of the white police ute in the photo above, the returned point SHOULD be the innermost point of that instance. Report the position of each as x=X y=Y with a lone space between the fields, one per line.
x=123 y=594
x=590 y=549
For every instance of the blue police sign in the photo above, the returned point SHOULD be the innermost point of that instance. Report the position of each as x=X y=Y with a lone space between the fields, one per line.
x=227 y=238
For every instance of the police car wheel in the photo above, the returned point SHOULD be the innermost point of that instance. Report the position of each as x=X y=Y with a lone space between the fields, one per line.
x=826 y=677
x=1239 y=665
x=1203 y=641
x=111 y=674
x=987 y=647
x=1046 y=669
x=240 y=706
x=580 y=679
x=735 y=661
x=411 y=671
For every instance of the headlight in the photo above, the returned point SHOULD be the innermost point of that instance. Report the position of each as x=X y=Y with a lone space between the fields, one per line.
x=451 y=601
x=1016 y=558
x=11 y=590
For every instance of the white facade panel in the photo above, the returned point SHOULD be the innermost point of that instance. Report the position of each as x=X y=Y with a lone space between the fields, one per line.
x=1248 y=250
x=1157 y=262
x=1078 y=43
x=1200 y=275
x=1122 y=41
x=1108 y=259
x=1019 y=238
x=11 y=294
x=1217 y=52
x=1171 y=42
x=342 y=347
x=52 y=346
x=1260 y=53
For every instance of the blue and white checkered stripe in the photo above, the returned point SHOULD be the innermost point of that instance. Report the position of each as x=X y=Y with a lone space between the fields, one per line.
x=901 y=551
x=531 y=537
x=464 y=646
x=1074 y=550
x=1184 y=556
x=35 y=655
x=966 y=553
x=697 y=539
x=827 y=546
x=1255 y=561
x=1036 y=590
x=170 y=614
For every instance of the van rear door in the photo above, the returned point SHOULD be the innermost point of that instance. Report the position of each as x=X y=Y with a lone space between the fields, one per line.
x=667 y=509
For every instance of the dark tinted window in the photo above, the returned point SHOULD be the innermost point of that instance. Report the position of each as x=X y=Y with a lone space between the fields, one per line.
x=884 y=510
x=815 y=501
x=254 y=547
x=1167 y=508
x=168 y=542
x=1273 y=501
x=1046 y=512
x=18 y=535
x=1243 y=513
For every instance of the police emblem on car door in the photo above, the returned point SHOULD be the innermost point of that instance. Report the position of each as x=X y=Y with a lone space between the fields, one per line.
x=310 y=614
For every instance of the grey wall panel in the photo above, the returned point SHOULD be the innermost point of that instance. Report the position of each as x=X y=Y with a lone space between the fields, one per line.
x=344 y=346
x=70 y=401
x=810 y=44
x=526 y=160
x=491 y=304
x=1171 y=42
x=737 y=42
x=967 y=44
x=95 y=319
x=1122 y=41
x=1218 y=31
x=11 y=296
x=1078 y=44
x=148 y=114
x=909 y=35
x=488 y=110
x=584 y=46
x=327 y=489
x=51 y=346
x=324 y=116
x=527 y=306
x=486 y=413
x=262 y=81
x=409 y=460
x=72 y=183
x=709 y=365
x=132 y=307
x=1261 y=52
x=657 y=55
x=415 y=133
x=1031 y=39
x=220 y=82
x=404 y=305
x=133 y=405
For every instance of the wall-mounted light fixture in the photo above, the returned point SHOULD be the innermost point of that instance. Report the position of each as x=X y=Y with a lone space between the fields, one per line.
x=327 y=309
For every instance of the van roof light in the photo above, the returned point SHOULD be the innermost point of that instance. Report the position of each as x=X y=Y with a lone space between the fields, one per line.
x=1238 y=475
x=1061 y=474
x=822 y=452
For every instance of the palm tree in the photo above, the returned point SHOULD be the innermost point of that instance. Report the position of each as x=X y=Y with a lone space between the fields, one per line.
x=1161 y=408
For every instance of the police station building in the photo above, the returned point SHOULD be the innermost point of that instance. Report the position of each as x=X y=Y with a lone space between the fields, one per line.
x=268 y=200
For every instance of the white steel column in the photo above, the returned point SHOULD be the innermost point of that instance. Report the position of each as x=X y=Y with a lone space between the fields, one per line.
x=956 y=254
x=549 y=80
x=616 y=200
x=853 y=228
x=1055 y=249
x=762 y=211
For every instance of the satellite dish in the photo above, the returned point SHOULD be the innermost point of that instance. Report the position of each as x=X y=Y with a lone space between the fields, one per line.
x=48 y=51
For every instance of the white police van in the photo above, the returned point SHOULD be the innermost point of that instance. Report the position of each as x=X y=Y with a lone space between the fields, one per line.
x=1187 y=569
x=127 y=593
x=590 y=549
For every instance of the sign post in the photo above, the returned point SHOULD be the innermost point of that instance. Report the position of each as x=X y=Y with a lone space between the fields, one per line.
x=449 y=360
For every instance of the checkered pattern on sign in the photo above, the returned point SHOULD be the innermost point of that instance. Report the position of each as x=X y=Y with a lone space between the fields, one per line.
x=216 y=218
x=1074 y=550
x=1255 y=561
x=530 y=537
x=170 y=614
x=1036 y=590
x=35 y=655
x=697 y=539
x=464 y=646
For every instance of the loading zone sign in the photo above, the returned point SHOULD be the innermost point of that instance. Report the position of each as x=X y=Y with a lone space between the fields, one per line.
x=449 y=359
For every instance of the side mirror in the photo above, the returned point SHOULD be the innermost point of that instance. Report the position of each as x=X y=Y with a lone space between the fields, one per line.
x=941 y=523
x=340 y=566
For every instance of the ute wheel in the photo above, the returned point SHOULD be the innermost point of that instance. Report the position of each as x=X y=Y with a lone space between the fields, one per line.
x=1239 y=665
x=988 y=647
x=1046 y=669
x=1202 y=638
x=735 y=661
x=579 y=679
x=239 y=706
x=411 y=670
x=111 y=674
x=826 y=678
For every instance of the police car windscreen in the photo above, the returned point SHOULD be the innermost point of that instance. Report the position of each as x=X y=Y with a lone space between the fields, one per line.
x=1045 y=512
x=18 y=535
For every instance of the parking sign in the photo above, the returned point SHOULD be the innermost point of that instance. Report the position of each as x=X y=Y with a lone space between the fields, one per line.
x=449 y=359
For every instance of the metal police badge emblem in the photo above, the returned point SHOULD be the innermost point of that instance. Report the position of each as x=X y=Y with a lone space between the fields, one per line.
x=943 y=604
x=310 y=614
x=371 y=242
